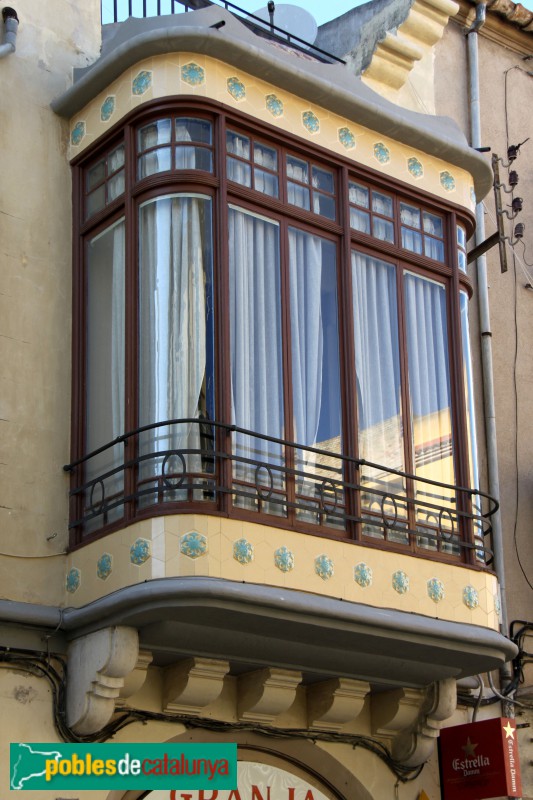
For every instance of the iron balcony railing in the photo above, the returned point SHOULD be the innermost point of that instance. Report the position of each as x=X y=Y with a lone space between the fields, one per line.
x=113 y=11
x=185 y=465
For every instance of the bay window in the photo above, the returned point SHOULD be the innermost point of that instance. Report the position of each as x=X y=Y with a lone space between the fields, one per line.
x=270 y=333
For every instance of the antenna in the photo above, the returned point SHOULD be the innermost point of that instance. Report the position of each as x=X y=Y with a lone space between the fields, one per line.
x=290 y=18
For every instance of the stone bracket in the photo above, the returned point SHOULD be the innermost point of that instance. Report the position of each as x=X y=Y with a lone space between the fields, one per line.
x=98 y=665
x=395 y=710
x=266 y=693
x=413 y=746
x=135 y=680
x=333 y=703
x=192 y=684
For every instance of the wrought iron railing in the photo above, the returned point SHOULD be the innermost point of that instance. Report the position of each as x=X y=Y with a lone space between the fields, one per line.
x=118 y=10
x=195 y=464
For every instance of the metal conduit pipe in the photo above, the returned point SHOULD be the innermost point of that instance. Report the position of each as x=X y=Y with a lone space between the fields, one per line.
x=11 y=23
x=485 y=330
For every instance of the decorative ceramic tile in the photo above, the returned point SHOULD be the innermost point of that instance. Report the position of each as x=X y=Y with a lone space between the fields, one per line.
x=362 y=574
x=346 y=138
x=243 y=551
x=236 y=88
x=435 y=589
x=284 y=559
x=142 y=82
x=470 y=597
x=107 y=108
x=274 y=105
x=415 y=167
x=73 y=580
x=497 y=604
x=324 y=567
x=78 y=132
x=140 y=551
x=381 y=153
x=193 y=544
x=400 y=582
x=447 y=181
x=104 y=566
x=193 y=74
x=311 y=121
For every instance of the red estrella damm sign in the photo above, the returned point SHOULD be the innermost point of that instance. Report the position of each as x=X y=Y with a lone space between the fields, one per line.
x=480 y=760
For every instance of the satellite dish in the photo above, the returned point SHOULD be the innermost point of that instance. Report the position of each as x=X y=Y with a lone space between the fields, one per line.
x=292 y=19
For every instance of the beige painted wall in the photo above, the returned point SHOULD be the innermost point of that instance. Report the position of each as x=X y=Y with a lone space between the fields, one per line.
x=35 y=292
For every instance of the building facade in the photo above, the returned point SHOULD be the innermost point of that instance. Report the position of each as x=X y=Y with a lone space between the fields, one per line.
x=243 y=494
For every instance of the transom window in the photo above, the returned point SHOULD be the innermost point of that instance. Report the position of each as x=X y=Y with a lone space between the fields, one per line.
x=104 y=181
x=242 y=352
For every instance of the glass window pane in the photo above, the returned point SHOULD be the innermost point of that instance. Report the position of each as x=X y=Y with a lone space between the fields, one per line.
x=265 y=156
x=382 y=204
x=298 y=195
x=324 y=205
x=193 y=130
x=461 y=258
x=434 y=248
x=266 y=182
x=239 y=171
x=237 y=144
x=297 y=170
x=115 y=159
x=383 y=229
x=115 y=186
x=359 y=194
x=433 y=225
x=412 y=240
x=156 y=161
x=323 y=179
x=410 y=215
x=461 y=237
x=359 y=220
x=95 y=175
x=194 y=158
x=155 y=133
x=96 y=200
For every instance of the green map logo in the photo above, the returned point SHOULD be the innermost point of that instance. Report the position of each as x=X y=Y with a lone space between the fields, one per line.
x=127 y=766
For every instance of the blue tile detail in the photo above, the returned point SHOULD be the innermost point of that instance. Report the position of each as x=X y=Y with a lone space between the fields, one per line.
x=362 y=574
x=381 y=153
x=77 y=133
x=447 y=181
x=140 y=551
x=324 y=567
x=400 y=582
x=470 y=597
x=142 y=82
x=193 y=74
x=104 y=566
x=107 y=108
x=284 y=559
x=73 y=580
x=435 y=589
x=243 y=551
x=310 y=121
x=346 y=138
x=236 y=88
x=274 y=105
x=193 y=544
x=415 y=167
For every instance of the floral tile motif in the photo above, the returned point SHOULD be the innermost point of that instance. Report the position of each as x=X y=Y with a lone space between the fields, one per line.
x=107 y=108
x=310 y=121
x=362 y=574
x=236 y=88
x=435 y=589
x=415 y=167
x=73 y=580
x=77 y=133
x=193 y=74
x=400 y=582
x=193 y=544
x=142 y=82
x=104 y=566
x=470 y=597
x=243 y=551
x=381 y=153
x=284 y=559
x=447 y=181
x=346 y=138
x=140 y=551
x=324 y=567
x=274 y=105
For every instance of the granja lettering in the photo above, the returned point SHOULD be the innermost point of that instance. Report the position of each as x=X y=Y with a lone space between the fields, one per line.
x=254 y=793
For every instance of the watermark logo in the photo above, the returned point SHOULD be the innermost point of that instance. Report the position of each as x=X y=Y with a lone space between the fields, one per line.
x=127 y=766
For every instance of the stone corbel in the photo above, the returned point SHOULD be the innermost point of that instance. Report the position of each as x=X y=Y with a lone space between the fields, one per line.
x=192 y=684
x=333 y=703
x=413 y=747
x=97 y=667
x=266 y=693
x=395 y=710
x=393 y=60
x=135 y=680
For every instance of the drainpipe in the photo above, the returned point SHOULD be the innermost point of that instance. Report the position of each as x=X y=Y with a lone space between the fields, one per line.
x=485 y=330
x=11 y=22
